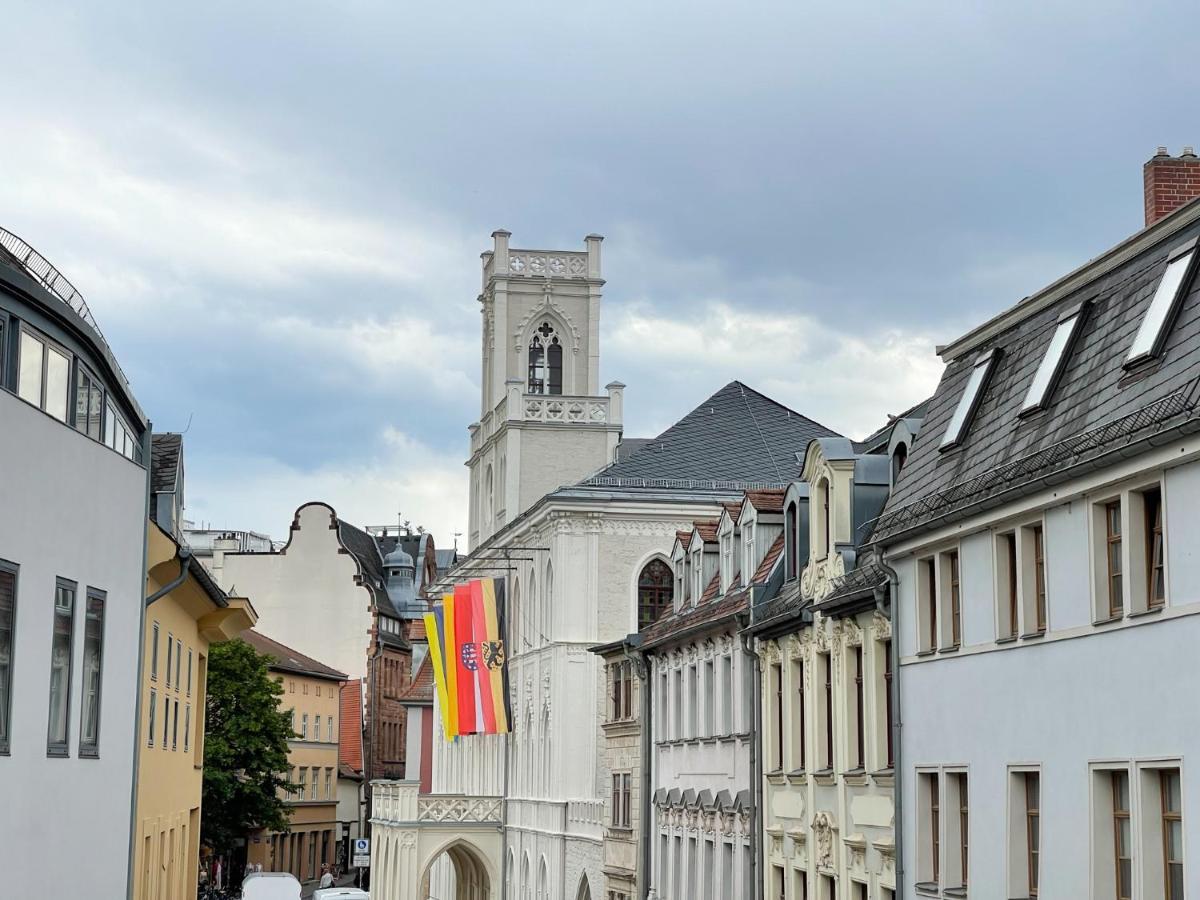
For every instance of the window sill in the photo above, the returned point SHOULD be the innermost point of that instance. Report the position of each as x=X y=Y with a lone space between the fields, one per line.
x=58 y=753
x=825 y=776
x=929 y=651
x=855 y=776
x=89 y=754
x=1034 y=635
x=957 y=893
x=1007 y=639
x=1108 y=620
x=927 y=889
x=797 y=776
x=885 y=777
x=953 y=648
x=1148 y=611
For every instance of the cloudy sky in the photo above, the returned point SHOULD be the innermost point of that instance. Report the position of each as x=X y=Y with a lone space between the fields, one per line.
x=275 y=210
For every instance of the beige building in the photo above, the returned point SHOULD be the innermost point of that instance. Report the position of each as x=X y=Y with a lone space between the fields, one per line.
x=311 y=691
x=185 y=612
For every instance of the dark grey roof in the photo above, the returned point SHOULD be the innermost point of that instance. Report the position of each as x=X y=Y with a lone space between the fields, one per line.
x=878 y=439
x=363 y=548
x=286 y=659
x=165 y=454
x=736 y=436
x=630 y=446
x=854 y=585
x=1096 y=409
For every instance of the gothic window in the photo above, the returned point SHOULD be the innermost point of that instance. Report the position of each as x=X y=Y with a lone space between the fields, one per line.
x=545 y=361
x=654 y=592
x=489 y=497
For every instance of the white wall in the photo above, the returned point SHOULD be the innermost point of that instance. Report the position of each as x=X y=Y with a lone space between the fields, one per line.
x=71 y=508
x=305 y=595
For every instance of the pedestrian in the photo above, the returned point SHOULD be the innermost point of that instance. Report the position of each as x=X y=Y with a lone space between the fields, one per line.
x=326 y=876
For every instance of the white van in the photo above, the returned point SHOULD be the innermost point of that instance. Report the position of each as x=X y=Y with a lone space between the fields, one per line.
x=270 y=886
x=341 y=893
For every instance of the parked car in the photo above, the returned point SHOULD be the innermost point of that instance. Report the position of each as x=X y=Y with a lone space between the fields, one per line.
x=270 y=886
x=341 y=893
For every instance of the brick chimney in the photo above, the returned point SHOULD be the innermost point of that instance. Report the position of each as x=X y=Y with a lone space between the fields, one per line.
x=1170 y=182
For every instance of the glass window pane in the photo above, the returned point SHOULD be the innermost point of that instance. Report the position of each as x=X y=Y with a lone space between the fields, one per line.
x=60 y=664
x=95 y=399
x=110 y=424
x=93 y=648
x=966 y=403
x=1050 y=363
x=8 y=601
x=58 y=383
x=29 y=379
x=1160 y=308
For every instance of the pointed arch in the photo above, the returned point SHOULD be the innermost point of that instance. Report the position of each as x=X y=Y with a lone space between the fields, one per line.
x=654 y=590
x=514 y=619
x=526 y=885
x=585 y=888
x=543 y=882
x=548 y=603
x=531 y=605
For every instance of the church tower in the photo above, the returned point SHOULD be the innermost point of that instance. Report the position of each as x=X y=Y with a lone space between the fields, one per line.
x=543 y=422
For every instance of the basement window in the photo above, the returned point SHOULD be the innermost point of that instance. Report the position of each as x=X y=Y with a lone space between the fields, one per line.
x=969 y=402
x=1167 y=296
x=1054 y=361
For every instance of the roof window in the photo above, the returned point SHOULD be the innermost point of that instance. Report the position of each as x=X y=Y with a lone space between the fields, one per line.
x=1150 y=337
x=1054 y=361
x=969 y=402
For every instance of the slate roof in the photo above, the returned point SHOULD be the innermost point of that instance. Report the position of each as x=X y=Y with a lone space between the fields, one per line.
x=165 y=454
x=365 y=551
x=735 y=437
x=288 y=660
x=350 y=749
x=1095 y=410
x=855 y=584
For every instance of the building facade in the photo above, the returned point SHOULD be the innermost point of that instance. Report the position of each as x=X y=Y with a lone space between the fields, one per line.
x=72 y=576
x=312 y=695
x=1047 y=590
x=184 y=618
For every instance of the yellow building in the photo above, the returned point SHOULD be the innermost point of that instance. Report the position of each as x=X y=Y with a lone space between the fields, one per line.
x=185 y=612
x=310 y=691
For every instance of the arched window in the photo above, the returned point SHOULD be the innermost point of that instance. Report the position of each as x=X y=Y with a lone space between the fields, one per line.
x=526 y=881
x=790 y=540
x=528 y=638
x=654 y=593
x=823 y=517
x=545 y=361
x=514 y=621
x=547 y=607
x=489 y=496
x=899 y=458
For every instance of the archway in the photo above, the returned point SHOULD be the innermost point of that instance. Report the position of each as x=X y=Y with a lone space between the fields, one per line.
x=457 y=873
x=585 y=889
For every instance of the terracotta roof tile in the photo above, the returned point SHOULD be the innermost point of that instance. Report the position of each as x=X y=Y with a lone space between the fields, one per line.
x=766 y=501
x=420 y=689
x=763 y=572
x=289 y=660
x=707 y=529
x=683 y=537
x=350 y=748
x=734 y=510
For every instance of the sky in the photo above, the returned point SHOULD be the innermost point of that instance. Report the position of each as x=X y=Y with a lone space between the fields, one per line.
x=275 y=210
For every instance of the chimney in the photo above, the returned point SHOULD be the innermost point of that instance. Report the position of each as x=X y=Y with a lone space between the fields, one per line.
x=1170 y=182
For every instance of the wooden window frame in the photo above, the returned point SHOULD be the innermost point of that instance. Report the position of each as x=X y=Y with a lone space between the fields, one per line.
x=1033 y=825
x=860 y=710
x=799 y=665
x=1121 y=814
x=1113 y=539
x=935 y=826
x=777 y=716
x=1154 y=548
x=963 y=829
x=887 y=687
x=1013 y=587
x=827 y=666
x=955 y=599
x=930 y=599
x=1039 y=575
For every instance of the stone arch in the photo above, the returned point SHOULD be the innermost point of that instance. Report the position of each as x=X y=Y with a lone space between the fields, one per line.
x=472 y=875
x=585 y=888
x=635 y=584
x=526 y=885
x=543 y=880
x=548 y=606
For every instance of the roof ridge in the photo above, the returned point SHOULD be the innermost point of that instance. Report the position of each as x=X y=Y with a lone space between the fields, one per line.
x=784 y=407
x=270 y=640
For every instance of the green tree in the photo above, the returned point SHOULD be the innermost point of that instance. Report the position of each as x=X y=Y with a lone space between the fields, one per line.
x=245 y=747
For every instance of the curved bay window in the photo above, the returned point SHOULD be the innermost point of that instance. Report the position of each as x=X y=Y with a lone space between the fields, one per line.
x=545 y=361
x=654 y=592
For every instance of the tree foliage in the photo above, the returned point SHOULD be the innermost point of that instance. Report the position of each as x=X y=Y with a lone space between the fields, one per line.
x=245 y=747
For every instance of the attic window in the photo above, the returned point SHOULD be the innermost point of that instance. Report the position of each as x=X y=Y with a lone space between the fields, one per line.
x=969 y=402
x=1153 y=333
x=1053 y=362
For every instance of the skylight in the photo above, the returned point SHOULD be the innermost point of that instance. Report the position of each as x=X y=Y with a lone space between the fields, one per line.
x=1054 y=360
x=1152 y=334
x=969 y=401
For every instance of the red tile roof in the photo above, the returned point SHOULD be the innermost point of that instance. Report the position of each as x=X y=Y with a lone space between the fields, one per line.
x=683 y=537
x=766 y=501
x=420 y=689
x=350 y=748
x=707 y=529
x=289 y=660
x=763 y=572
x=734 y=510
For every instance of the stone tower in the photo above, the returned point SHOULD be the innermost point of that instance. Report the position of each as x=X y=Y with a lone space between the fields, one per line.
x=543 y=422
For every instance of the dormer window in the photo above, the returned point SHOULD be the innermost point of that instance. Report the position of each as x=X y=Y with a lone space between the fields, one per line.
x=749 y=563
x=726 y=560
x=680 y=580
x=1153 y=332
x=822 y=511
x=1054 y=361
x=791 y=539
x=545 y=361
x=697 y=574
x=899 y=458
x=969 y=402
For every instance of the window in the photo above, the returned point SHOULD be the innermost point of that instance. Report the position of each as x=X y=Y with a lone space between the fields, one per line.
x=969 y=402
x=798 y=714
x=89 y=402
x=726 y=695
x=304 y=726
x=860 y=711
x=1153 y=331
x=709 y=725
x=677 y=704
x=778 y=879
x=189 y=680
x=545 y=361
x=302 y=780
x=43 y=378
x=777 y=714
x=175 y=725
x=1039 y=576
x=1115 y=589
x=693 y=689
x=166 y=732
x=1156 y=582
x=791 y=535
x=698 y=585
x=887 y=693
x=824 y=547
x=328 y=783
x=929 y=847
x=1033 y=829
x=899 y=458
x=621 y=799
x=154 y=653
x=153 y=715
x=93 y=661
x=329 y=729
x=928 y=608
x=1054 y=361
x=955 y=600
x=749 y=563
x=170 y=657
x=707 y=862
x=187 y=728
x=1122 y=834
x=8 y=610
x=316 y=728
x=178 y=663
x=118 y=435
x=827 y=700
x=957 y=825
x=61 y=653
x=1172 y=832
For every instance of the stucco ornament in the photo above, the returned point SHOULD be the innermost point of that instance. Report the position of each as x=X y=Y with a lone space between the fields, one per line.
x=818 y=577
x=524 y=326
x=823 y=831
x=771 y=651
x=881 y=626
x=853 y=633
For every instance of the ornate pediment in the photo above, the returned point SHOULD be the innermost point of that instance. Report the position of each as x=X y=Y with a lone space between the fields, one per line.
x=816 y=582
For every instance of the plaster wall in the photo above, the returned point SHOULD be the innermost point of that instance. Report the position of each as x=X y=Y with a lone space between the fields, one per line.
x=76 y=511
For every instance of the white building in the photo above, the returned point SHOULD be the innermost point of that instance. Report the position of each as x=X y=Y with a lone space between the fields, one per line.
x=1048 y=599
x=582 y=545
x=72 y=578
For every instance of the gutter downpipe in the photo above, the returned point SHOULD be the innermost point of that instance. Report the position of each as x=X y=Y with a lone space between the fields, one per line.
x=897 y=720
x=184 y=555
x=137 y=694
x=755 y=750
x=642 y=880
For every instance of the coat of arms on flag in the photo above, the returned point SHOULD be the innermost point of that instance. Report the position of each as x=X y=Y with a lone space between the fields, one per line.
x=493 y=654
x=470 y=657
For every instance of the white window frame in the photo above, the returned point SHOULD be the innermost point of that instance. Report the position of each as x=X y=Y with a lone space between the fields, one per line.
x=1172 y=287
x=968 y=402
x=1058 y=352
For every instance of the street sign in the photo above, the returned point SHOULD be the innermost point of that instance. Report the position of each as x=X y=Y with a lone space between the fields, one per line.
x=362 y=853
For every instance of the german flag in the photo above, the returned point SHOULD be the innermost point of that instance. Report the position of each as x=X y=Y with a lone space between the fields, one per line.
x=495 y=658
x=466 y=660
x=435 y=630
x=482 y=633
